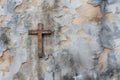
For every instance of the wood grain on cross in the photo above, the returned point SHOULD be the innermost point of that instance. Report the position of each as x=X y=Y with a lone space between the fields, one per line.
x=40 y=32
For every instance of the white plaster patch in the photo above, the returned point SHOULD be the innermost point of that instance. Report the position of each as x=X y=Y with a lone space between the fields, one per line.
x=117 y=42
x=71 y=4
x=113 y=7
x=1 y=75
x=1 y=11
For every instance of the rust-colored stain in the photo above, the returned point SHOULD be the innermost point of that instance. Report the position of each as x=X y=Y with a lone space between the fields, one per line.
x=96 y=20
x=40 y=32
x=103 y=58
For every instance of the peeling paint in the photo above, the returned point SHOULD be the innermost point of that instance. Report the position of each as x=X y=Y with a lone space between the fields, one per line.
x=34 y=3
x=3 y=19
x=2 y=3
x=63 y=42
x=80 y=32
x=6 y=61
x=84 y=45
x=20 y=8
x=88 y=8
x=110 y=17
x=103 y=59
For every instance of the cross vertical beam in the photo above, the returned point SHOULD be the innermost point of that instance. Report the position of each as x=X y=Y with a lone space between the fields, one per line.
x=40 y=28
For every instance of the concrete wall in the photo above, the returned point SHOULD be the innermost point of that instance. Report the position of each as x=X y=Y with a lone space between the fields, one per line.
x=84 y=46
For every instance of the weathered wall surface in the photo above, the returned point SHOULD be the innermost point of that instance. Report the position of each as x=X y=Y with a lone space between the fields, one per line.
x=84 y=46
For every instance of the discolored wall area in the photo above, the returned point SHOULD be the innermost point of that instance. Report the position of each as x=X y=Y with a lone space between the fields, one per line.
x=84 y=44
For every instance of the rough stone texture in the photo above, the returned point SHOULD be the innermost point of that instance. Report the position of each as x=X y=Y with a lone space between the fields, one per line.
x=84 y=45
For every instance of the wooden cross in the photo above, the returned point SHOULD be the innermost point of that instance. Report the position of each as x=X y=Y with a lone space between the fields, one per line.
x=40 y=32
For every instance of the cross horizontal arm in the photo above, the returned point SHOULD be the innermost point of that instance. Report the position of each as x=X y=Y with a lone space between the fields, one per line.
x=46 y=32
x=35 y=32
x=32 y=32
